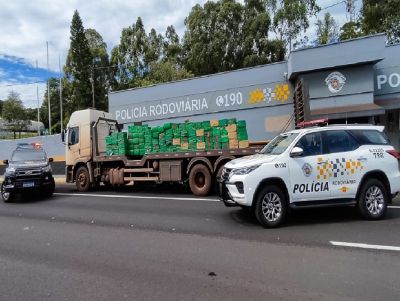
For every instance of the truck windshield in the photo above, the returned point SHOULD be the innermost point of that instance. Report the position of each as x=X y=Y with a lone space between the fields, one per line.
x=28 y=155
x=279 y=144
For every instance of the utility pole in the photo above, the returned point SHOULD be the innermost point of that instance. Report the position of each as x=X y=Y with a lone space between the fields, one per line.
x=61 y=106
x=38 y=109
x=93 y=84
x=48 y=88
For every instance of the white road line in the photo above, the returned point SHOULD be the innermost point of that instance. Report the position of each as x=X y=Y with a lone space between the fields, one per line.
x=137 y=197
x=394 y=207
x=364 y=246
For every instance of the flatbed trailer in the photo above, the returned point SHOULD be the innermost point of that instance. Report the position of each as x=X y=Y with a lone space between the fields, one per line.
x=89 y=166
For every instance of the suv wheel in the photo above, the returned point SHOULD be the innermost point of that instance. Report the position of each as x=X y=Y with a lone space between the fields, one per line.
x=7 y=196
x=373 y=199
x=271 y=207
x=82 y=179
x=50 y=190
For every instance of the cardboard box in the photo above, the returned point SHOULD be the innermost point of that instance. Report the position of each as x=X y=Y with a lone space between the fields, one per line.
x=199 y=132
x=201 y=145
x=214 y=122
x=231 y=128
x=232 y=135
x=176 y=141
x=244 y=144
x=185 y=146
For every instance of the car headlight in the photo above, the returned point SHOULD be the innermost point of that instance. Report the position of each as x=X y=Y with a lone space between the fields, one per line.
x=47 y=168
x=245 y=170
x=10 y=171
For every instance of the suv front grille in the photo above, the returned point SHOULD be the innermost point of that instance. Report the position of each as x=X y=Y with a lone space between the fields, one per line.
x=28 y=172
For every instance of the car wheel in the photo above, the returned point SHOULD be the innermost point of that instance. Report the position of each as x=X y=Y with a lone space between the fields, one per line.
x=7 y=196
x=373 y=199
x=82 y=179
x=200 y=180
x=271 y=207
x=50 y=190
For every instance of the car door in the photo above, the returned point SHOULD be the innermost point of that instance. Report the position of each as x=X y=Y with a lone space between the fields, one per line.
x=345 y=163
x=304 y=178
x=73 y=145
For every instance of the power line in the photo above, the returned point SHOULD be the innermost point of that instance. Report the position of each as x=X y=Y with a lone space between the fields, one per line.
x=343 y=1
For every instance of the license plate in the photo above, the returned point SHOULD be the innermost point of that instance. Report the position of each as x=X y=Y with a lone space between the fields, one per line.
x=28 y=184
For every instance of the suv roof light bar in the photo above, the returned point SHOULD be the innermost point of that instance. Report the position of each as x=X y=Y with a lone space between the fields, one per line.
x=316 y=122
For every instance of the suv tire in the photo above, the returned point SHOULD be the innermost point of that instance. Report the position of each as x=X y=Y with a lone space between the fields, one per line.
x=8 y=197
x=373 y=199
x=82 y=179
x=50 y=190
x=271 y=206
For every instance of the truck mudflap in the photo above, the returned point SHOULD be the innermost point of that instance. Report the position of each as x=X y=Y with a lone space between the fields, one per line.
x=224 y=195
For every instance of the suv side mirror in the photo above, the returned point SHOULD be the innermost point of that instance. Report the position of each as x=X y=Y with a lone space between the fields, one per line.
x=5 y=162
x=51 y=159
x=296 y=152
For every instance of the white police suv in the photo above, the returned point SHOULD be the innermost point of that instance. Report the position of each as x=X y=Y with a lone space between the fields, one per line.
x=315 y=166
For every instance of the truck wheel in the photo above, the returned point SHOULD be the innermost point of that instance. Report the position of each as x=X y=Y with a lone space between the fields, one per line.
x=200 y=180
x=373 y=199
x=271 y=207
x=82 y=179
x=7 y=196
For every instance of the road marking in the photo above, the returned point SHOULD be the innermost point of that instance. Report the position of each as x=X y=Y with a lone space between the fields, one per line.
x=136 y=196
x=364 y=246
x=394 y=207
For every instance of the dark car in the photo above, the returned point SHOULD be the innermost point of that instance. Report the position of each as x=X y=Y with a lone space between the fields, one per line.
x=28 y=170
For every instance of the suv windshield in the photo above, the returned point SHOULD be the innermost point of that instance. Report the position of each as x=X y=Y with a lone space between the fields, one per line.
x=279 y=144
x=28 y=155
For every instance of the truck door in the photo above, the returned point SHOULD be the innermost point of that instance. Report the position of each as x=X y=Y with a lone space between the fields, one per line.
x=306 y=184
x=73 y=144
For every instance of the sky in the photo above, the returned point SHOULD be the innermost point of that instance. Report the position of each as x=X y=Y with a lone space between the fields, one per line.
x=26 y=26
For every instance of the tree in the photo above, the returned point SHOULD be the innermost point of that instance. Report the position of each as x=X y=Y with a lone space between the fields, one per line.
x=172 y=49
x=212 y=37
x=14 y=114
x=129 y=57
x=31 y=114
x=257 y=48
x=327 y=30
x=100 y=68
x=291 y=18
x=381 y=16
x=78 y=68
x=54 y=84
x=350 y=30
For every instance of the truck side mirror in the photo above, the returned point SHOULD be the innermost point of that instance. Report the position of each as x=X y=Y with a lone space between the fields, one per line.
x=5 y=162
x=51 y=159
x=63 y=136
x=296 y=152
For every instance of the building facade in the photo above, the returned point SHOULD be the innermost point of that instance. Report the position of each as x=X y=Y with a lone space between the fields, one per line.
x=353 y=81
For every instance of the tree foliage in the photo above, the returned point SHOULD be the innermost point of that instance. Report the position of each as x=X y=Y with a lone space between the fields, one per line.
x=327 y=30
x=14 y=113
x=78 y=67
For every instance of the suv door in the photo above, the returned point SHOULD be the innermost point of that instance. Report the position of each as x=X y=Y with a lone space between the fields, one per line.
x=305 y=186
x=344 y=163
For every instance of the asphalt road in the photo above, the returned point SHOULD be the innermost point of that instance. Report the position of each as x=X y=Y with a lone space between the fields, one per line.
x=161 y=245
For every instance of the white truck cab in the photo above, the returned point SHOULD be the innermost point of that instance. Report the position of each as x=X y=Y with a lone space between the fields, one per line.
x=316 y=166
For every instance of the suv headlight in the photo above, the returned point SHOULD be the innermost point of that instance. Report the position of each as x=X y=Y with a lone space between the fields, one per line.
x=47 y=168
x=245 y=170
x=10 y=171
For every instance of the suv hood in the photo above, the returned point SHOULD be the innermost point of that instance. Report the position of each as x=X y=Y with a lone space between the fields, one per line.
x=28 y=164
x=250 y=161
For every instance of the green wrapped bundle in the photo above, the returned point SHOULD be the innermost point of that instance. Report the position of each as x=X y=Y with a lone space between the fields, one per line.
x=223 y=122
x=232 y=121
x=241 y=124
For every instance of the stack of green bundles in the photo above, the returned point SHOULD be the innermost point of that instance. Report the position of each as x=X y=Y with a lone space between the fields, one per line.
x=172 y=137
x=117 y=144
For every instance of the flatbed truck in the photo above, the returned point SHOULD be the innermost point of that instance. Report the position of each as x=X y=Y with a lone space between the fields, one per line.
x=88 y=165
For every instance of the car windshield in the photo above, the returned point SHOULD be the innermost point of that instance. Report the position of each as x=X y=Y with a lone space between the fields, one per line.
x=279 y=144
x=28 y=155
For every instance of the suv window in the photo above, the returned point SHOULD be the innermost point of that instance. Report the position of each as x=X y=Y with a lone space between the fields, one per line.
x=311 y=144
x=370 y=137
x=339 y=141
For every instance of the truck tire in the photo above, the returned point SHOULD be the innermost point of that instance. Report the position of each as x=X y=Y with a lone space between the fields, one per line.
x=271 y=206
x=200 y=180
x=82 y=179
x=8 y=197
x=373 y=199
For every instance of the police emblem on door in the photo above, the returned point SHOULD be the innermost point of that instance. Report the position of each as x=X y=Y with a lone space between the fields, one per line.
x=335 y=81
x=307 y=169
